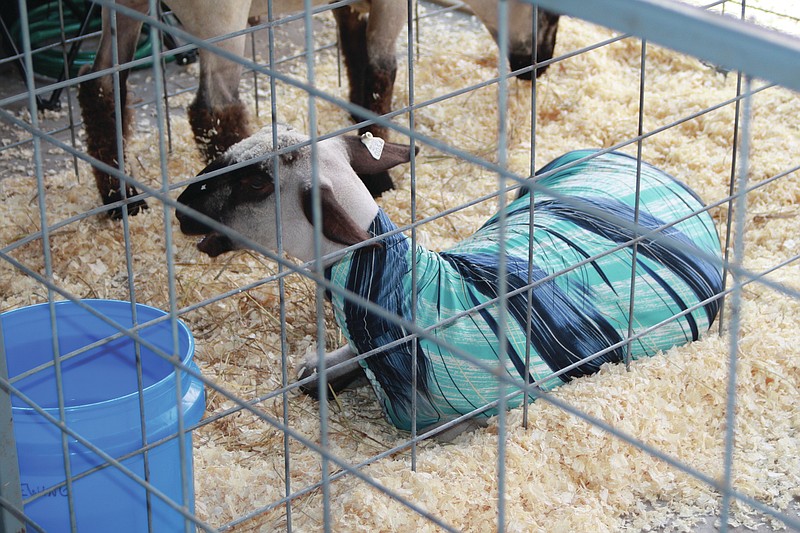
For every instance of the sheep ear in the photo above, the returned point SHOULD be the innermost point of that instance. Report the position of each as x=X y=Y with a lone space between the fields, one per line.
x=363 y=162
x=337 y=225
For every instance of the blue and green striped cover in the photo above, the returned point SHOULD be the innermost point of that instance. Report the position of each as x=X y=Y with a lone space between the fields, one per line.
x=575 y=314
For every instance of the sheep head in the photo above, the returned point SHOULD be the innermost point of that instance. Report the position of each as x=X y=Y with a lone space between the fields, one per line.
x=244 y=197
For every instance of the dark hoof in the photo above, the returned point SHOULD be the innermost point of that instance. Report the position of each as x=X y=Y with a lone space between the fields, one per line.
x=527 y=76
x=523 y=61
x=134 y=208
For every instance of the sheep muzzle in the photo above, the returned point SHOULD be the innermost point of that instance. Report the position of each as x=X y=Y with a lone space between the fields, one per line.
x=215 y=244
x=189 y=224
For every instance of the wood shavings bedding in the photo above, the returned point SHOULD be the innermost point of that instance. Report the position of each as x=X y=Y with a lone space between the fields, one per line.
x=562 y=473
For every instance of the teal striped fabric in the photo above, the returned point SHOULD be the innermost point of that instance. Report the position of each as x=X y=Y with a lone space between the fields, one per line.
x=575 y=312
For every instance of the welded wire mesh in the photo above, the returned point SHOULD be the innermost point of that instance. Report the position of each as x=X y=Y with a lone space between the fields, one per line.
x=266 y=456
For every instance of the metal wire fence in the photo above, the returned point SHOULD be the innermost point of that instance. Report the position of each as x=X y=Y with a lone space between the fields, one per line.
x=254 y=407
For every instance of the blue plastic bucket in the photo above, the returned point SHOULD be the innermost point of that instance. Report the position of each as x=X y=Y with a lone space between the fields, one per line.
x=101 y=405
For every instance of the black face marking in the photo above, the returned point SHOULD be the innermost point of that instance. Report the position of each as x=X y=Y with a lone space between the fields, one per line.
x=217 y=196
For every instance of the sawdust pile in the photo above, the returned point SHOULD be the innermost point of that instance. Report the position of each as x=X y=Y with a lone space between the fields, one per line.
x=562 y=474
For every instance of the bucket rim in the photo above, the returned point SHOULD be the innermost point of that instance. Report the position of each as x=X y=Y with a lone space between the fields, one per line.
x=186 y=360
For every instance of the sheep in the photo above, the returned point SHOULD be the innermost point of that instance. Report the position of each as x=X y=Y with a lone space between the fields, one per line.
x=218 y=118
x=583 y=221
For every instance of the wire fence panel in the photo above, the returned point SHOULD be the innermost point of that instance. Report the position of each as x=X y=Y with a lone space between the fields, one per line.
x=572 y=304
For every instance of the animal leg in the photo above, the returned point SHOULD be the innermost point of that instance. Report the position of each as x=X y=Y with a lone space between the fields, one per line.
x=368 y=46
x=378 y=70
x=548 y=29
x=353 y=41
x=546 y=43
x=217 y=128
x=387 y=18
x=97 y=104
x=341 y=371
x=217 y=116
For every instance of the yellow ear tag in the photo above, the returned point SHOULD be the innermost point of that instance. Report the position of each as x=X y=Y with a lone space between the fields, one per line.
x=373 y=144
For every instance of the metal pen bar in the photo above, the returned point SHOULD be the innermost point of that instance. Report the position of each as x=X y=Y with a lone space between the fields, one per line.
x=414 y=270
x=287 y=472
x=185 y=458
x=531 y=220
x=637 y=202
x=732 y=184
x=316 y=216
x=11 y=511
x=740 y=219
x=46 y=252
x=119 y=133
x=502 y=263
x=68 y=58
x=724 y=41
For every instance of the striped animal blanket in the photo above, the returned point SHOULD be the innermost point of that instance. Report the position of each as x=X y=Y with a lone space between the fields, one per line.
x=571 y=313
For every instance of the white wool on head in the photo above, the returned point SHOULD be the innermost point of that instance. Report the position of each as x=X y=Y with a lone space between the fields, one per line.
x=259 y=145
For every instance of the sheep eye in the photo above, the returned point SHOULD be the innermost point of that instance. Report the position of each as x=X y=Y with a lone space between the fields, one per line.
x=257 y=183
